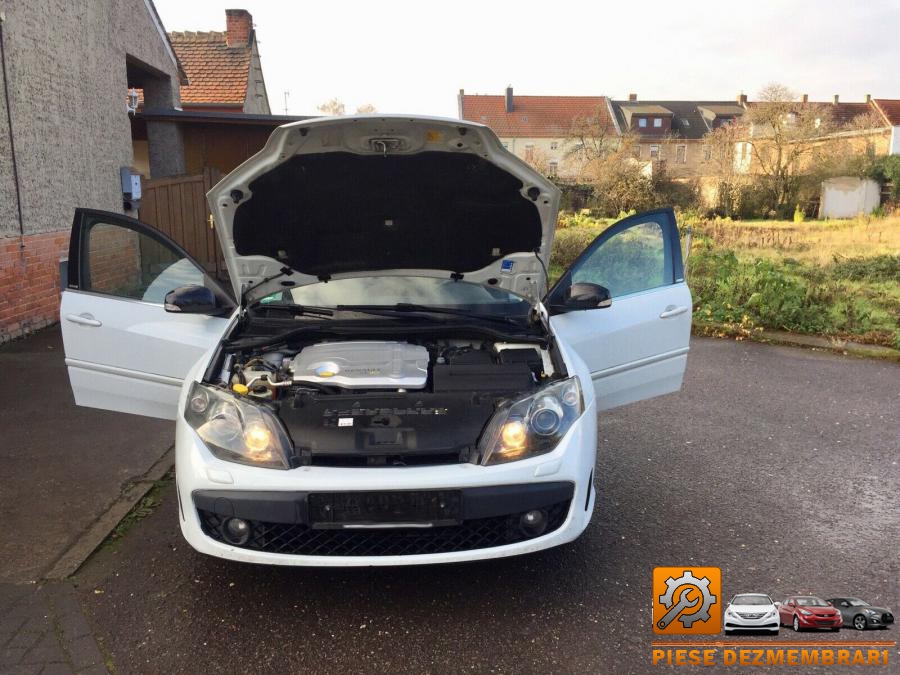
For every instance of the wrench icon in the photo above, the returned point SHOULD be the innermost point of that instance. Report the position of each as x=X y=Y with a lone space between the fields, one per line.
x=682 y=604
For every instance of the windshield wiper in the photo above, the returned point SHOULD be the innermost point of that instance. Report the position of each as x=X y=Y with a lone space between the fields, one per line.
x=409 y=308
x=301 y=310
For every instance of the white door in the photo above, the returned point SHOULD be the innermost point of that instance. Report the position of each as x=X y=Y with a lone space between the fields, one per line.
x=637 y=347
x=124 y=351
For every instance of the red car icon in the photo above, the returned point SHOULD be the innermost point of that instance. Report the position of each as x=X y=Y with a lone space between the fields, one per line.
x=808 y=611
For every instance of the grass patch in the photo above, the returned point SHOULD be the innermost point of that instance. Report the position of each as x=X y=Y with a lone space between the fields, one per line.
x=147 y=505
x=831 y=278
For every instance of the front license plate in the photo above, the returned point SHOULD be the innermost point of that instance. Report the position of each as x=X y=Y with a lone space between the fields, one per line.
x=389 y=509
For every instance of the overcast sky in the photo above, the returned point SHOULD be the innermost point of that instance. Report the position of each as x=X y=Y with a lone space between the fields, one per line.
x=413 y=57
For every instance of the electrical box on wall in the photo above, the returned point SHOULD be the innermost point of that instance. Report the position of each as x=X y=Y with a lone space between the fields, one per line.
x=131 y=188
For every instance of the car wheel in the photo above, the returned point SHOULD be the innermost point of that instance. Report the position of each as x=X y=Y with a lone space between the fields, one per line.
x=859 y=622
x=796 y=624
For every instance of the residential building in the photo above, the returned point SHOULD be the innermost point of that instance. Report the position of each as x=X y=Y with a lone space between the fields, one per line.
x=668 y=135
x=860 y=127
x=68 y=67
x=890 y=110
x=224 y=75
x=538 y=129
x=223 y=68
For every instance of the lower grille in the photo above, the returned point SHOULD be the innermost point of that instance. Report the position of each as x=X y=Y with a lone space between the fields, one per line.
x=887 y=617
x=826 y=622
x=300 y=539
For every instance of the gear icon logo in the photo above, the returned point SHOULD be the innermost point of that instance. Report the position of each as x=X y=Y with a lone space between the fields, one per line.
x=686 y=600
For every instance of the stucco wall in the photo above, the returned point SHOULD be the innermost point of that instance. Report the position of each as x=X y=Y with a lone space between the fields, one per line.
x=848 y=196
x=568 y=167
x=66 y=63
x=257 y=100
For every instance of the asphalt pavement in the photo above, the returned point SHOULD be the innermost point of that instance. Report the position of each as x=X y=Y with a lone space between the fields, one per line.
x=779 y=465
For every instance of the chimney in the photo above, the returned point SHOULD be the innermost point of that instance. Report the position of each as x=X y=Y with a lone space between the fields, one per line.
x=835 y=99
x=868 y=98
x=509 y=99
x=239 y=25
x=805 y=98
x=632 y=97
x=460 y=99
x=742 y=99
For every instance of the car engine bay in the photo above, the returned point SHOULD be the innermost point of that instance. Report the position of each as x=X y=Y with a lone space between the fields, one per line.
x=387 y=402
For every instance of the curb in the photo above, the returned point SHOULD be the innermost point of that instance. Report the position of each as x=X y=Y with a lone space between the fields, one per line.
x=69 y=562
x=780 y=337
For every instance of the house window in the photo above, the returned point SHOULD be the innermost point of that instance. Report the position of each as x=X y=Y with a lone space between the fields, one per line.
x=680 y=154
x=642 y=122
x=554 y=145
x=529 y=152
x=553 y=167
x=657 y=122
x=654 y=152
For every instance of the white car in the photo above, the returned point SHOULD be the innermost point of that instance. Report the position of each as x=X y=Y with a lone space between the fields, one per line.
x=751 y=611
x=390 y=381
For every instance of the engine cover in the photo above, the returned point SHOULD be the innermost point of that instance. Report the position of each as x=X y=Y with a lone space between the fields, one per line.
x=362 y=365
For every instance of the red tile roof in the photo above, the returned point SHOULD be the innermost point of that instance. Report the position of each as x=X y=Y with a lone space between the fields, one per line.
x=218 y=74
x=890 y=108
x=534 y=116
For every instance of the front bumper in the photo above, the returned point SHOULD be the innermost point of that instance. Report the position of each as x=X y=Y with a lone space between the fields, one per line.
x=735 y=621
x=211 y=490
x=820 y=622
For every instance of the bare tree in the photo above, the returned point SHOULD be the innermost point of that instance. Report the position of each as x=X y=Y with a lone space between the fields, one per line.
x=719 y=147
x=785 y=139
x=332 y=108
x=366 y=109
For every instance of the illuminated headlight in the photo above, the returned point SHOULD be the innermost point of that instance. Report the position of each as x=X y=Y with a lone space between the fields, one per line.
x=532 y=426
x=236 y=430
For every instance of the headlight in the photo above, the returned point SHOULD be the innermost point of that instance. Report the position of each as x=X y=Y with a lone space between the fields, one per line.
x=806 y=612
x=236 y=430
x=531 y=426
x=871 y=611
x=770 y=614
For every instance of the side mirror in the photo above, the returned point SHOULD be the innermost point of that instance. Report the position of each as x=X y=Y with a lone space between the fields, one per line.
x=192 y=300
x=584 y=295
x=778 y=604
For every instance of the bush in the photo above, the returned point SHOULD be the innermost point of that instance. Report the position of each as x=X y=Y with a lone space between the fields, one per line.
x=787 y=296
x=877 y=268
x=569 y=243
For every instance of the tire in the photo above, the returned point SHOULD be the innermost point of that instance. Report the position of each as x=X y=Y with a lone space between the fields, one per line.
x=796 y=624
x=859 y=622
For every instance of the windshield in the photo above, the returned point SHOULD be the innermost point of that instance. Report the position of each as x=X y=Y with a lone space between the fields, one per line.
x=811 y=602
x=389 y=291
x=857 y=603
x=751 y=600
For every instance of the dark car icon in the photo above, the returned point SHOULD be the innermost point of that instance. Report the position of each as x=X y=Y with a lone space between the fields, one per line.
x=861 y=615
x=808 y=612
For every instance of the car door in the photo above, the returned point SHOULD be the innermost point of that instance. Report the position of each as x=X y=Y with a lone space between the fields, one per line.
x=124 y=351
x=637 y=347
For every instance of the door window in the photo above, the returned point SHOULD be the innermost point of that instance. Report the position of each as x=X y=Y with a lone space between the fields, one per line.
x=125 y=263
x=629 y=261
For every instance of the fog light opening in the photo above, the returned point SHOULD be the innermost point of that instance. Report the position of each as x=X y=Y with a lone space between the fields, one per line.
x=533 y=523
x=236 y=531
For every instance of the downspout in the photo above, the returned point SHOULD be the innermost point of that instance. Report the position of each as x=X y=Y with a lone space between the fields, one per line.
x=12 y=144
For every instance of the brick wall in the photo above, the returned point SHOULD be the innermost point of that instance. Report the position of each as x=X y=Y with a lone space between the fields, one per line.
x=29 y=282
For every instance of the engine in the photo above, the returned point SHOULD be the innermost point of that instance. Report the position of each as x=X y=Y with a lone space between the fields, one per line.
x=377 y=403
x=362 y=365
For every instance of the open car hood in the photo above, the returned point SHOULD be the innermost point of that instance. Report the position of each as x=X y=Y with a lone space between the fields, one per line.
x=375 y=195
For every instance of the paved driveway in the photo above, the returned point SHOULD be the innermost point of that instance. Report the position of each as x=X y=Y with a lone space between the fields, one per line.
x=776 y=464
